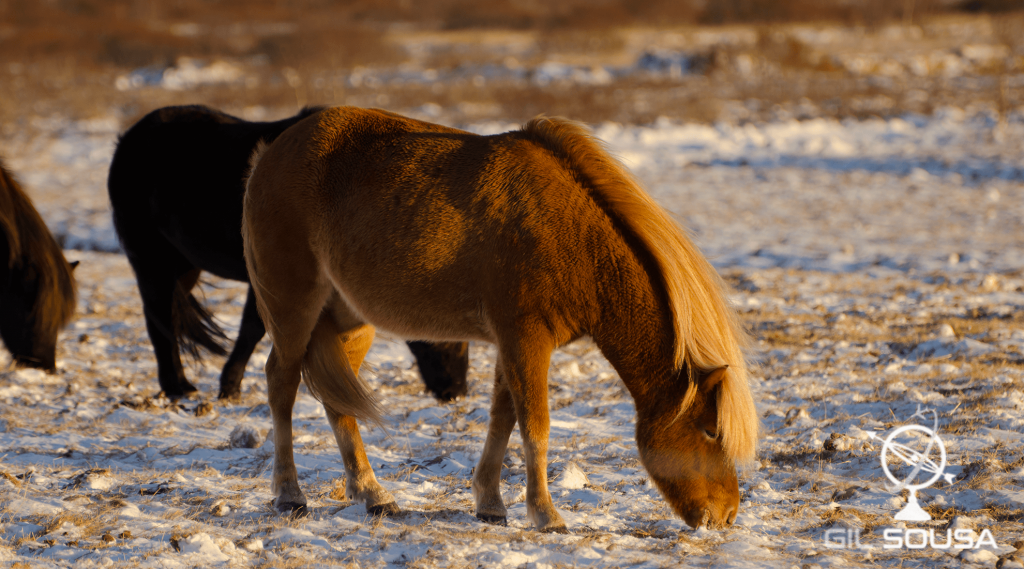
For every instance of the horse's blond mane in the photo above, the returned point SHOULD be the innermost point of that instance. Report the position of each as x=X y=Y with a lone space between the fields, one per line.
x=708 y=332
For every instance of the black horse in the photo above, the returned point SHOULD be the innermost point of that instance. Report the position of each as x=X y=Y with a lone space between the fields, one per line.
x=176 y=185
x=37 y=290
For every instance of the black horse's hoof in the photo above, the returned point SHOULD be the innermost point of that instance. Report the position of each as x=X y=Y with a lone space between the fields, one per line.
x=229 y=396
x=186 y=392
x=493 y=520
x=293 y=509
x=556 y=529
x=389 y=509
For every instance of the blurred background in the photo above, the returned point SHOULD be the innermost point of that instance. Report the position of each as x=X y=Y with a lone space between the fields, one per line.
x=460 y=61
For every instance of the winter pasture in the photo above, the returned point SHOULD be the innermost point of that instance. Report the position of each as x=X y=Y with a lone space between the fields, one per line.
x=878 y=263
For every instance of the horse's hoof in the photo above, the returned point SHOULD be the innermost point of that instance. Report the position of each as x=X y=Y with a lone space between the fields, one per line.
x=556 y=529
x=389 y=509
x=493 y=520
x=293 y=509
x=187 y=393
x=230 y=396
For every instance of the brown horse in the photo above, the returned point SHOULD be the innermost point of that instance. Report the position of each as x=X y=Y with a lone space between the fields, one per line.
x=37 y=289
x=528 y=239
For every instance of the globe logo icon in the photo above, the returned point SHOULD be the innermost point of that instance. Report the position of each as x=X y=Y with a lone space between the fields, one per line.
x=914 y=457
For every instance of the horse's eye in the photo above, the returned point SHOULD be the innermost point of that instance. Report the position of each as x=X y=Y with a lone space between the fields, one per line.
x=710 y=434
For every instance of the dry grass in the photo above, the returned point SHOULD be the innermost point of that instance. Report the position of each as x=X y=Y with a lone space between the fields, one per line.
x=853 y=516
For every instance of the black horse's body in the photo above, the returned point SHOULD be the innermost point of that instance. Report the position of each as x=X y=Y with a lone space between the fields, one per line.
x=176 y=186
x=37 y=290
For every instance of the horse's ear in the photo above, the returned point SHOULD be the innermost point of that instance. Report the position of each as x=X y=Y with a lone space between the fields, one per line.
x=713 y=378
x=74 y=264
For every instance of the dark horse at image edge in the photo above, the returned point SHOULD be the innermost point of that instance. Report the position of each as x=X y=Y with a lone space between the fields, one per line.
x=37 y=289
x=176 y=186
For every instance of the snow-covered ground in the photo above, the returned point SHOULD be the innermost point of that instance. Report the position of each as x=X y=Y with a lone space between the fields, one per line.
x=878 y=264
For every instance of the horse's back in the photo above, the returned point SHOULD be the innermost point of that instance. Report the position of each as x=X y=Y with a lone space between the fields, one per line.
x=429 y=231
x=177 y=177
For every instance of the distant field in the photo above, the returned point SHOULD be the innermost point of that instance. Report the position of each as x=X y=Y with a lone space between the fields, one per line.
x=876 y=263
x=610 y=60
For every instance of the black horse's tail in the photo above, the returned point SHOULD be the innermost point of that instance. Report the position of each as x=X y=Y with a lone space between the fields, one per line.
x=194 y=325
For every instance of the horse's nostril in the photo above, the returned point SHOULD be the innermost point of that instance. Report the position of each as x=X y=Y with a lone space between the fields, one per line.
x=730 y=517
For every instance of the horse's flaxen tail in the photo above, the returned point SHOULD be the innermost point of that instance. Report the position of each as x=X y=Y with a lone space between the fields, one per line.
x=708 y=331
x=193 y=326
x=328 y=373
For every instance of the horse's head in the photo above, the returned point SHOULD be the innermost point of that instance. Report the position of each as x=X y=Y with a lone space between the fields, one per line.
x=37 y=289
x=28 y=343
x=684 y=456
x=32 y=315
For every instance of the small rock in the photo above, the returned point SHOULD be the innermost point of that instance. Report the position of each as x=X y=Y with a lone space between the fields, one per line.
x=978 y=556
x=107 y=538
x=245 y=436
x=572 y=477
x=838 y=442
x=991 y=283
x=961 y=522
x=1011 y=561
x=847 y=494
x=125 y=535
x=797 y=415
x=204 y=545
x=220 y=509
x=204 y=408
x=251 y=545
x=946 y=331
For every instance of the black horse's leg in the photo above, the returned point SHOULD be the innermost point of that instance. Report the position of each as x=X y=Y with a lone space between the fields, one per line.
x=157 y=291
x=249 y=334
x=443 y=366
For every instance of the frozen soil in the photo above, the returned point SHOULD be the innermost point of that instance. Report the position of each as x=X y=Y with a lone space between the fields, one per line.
x=877 y=266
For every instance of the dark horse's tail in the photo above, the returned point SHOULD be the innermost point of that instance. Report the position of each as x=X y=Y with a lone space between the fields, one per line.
x=194 y=326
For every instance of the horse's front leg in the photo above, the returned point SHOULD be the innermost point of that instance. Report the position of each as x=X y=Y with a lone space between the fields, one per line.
x=282 y=386
x=487 y=479
x=525 y=366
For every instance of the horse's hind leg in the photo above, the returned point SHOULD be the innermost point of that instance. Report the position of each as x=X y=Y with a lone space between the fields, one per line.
x=360 y=484
x=487 y=480
x=249 y=334
x=293 y=320
x=156 y=287
x=283 y=377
